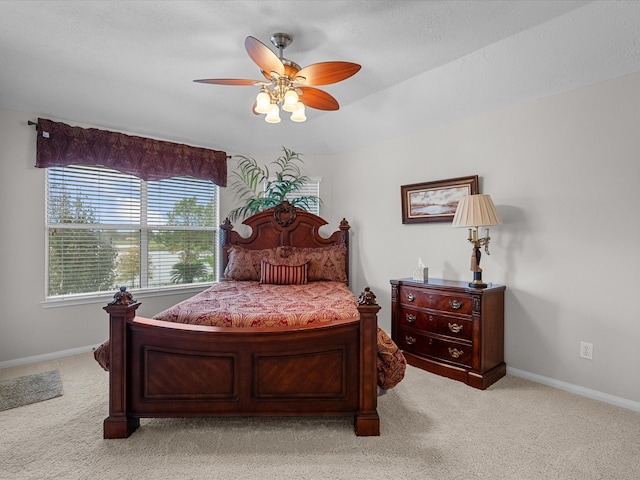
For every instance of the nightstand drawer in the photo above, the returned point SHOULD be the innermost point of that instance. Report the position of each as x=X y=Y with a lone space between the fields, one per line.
x=424 y=298
x=452 y=352
x=456 y=327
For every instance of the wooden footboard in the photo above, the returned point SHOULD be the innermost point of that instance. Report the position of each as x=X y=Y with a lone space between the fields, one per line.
x=164 y=369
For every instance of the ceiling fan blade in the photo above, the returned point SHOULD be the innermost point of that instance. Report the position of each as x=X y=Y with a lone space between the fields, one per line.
x=326 y=73
x=263 y=56
x=230 y=81
x=318 y=99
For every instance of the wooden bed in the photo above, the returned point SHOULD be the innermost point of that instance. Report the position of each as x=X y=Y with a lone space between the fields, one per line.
x=166 y=369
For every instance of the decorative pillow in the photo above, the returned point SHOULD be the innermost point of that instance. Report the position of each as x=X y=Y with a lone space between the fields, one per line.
x=325 y=263
x=279 y=274
x=244 y=263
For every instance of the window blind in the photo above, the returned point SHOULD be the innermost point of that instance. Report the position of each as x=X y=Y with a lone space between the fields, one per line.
x=309 y=189
x=107 y=229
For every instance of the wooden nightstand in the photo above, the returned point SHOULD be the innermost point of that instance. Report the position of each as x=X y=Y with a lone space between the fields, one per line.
x=448 y=328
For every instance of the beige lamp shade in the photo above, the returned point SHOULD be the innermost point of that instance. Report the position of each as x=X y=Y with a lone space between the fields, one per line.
x=476 y=211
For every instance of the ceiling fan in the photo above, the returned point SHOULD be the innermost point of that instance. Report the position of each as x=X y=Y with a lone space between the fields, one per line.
x=287 y=84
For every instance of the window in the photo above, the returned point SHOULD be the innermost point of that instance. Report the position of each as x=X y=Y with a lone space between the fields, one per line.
x=309 y=189
x=106 y=229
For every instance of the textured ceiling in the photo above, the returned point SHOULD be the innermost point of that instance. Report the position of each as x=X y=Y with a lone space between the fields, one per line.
x=129 y=65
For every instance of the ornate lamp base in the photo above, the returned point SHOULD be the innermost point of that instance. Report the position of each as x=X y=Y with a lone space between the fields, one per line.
x=477 y=281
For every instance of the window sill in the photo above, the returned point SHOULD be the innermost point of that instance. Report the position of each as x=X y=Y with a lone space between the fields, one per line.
x=105 y=298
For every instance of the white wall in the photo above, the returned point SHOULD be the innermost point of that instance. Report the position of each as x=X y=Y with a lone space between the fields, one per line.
x=563 y=173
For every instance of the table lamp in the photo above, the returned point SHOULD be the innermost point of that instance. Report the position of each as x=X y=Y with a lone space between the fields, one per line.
x=476 y=211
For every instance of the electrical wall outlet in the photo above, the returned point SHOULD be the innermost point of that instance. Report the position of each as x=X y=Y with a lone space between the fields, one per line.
x=586 y=350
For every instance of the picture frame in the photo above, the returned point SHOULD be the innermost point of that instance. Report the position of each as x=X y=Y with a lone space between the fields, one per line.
x=435 y=201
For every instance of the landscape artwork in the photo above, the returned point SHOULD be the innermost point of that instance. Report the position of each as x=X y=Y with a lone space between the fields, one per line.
x=435 y=201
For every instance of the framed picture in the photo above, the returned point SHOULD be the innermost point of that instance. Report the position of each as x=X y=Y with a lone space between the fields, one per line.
x=435 y=201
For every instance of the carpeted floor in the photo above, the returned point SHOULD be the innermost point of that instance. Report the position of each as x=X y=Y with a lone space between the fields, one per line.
x=432 y=428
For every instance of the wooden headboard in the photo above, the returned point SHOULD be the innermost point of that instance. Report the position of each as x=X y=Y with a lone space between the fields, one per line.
x=283 y=225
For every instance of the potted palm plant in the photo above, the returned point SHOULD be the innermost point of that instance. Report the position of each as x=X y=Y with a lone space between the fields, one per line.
x=258 y=188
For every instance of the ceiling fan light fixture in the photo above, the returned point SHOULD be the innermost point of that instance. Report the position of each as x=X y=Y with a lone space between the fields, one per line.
x=286 y=82
x=298 y=114
x=290 y=102
x=273 y=115
x=263 y=102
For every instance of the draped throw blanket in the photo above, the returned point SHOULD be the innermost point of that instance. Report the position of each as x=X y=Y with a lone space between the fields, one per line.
x=61 y=145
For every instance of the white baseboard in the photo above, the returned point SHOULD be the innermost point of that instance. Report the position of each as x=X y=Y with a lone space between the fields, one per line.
x=47 y=356
x=568 y=387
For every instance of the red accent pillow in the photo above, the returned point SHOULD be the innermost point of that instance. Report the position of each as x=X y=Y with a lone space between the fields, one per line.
x=283 y=274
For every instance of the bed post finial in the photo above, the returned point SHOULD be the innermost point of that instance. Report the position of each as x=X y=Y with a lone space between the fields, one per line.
x=367 y=297
x=122 y=297
x=225 y=230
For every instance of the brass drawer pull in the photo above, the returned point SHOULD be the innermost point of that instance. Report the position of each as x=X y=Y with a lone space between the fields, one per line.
x=455 y=304
x=411 y=318
x=411 y=297
x=409 y=340
x=455 y=353
x=455 y=328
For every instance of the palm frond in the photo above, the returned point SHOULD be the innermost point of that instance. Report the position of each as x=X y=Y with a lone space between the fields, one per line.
x=255 y=187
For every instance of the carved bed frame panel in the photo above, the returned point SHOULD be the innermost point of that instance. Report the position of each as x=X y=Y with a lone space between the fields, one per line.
x=165 y=369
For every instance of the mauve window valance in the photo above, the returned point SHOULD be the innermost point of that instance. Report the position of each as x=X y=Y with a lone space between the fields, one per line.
x=61 y=145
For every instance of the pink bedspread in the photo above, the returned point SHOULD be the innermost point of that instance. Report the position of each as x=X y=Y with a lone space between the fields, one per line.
x=252 y=304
